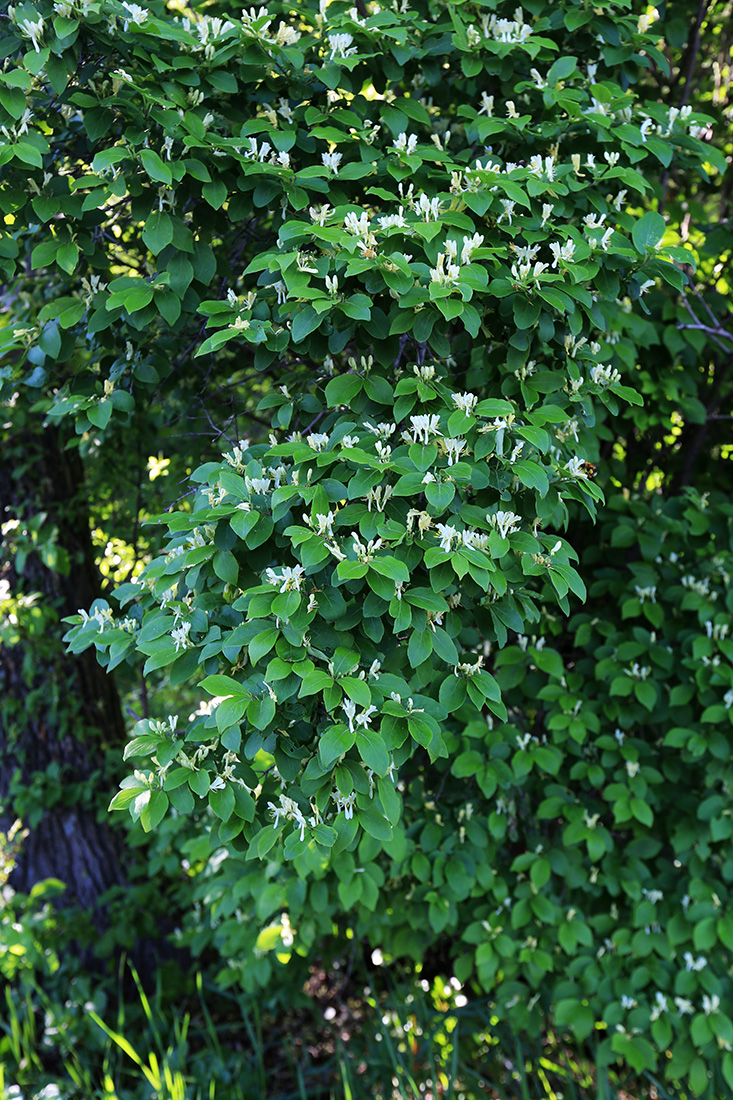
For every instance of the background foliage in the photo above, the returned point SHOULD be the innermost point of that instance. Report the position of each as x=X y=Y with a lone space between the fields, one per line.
x=414 y=321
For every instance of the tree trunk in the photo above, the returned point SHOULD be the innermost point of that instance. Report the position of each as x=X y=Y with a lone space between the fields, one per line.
x=57 y=712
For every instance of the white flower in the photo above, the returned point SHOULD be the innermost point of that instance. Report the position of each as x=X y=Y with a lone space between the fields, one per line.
x=612 y=159
x=290 y=578
x=632 y=767
x=470 y=244
x=692 y=963
x=341 y=45
x=446 y=534
x=659 y=1006
x=487 y=105
x=547 y=209
x=404 y=143
x=426 y=208
x=332 y=161
x=360 y=226
x=505 y=522
x=332 y=284
x=628 y=1002
x=34 y=30
x=710 y=1005
x=137 y=14
x=393 y=221
x=508 y=211
x=466 y=402
x=685 y=1007
x=320 y=214
x=562 y=252
x=365 y=718
x=645 y=286
x=349 y=709
x=423 y=426
x=290 y=811
x=345 y=803
x=318 y=441
x=455 y=448
x=605 y=239
x=179 y=635
x=646 y=128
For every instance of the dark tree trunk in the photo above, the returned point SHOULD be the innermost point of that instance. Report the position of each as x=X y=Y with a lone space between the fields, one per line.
x=57 y=711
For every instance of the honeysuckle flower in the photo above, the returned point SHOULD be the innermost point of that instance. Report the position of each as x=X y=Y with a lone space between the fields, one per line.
x=320 y=214
x=426 y=208
x=507 y=30
x=405 y=143
x=318 y=441
x=359 y=226
x=487 y=105
x=454 y=449
x=332 y=161
x=444 y=273
x=606 y=238
x=710 y=1004
x=332 y=284
x=446 y=534
x=684 y=1006
x=562 y=252
x=632 y=767
x=645 y=286
x=33 y=28
x=365 y=718
x=466 y=402
x=340 y=45
x=575 y=468
x=179 y=636
x=508 y=211
x=289 y=579
x=365 y=553
x=659 y=1006
x=628 y=1002
x=694 y=964
x=470 y=244
x=423 y=426
x=612 y=159
x=506 y=523
x=539 y=80
x=290 y=810
x=345 y=803
x=393 y=221
x=349 y=709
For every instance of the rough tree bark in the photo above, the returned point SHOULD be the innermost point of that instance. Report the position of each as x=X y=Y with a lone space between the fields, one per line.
x=55 y=708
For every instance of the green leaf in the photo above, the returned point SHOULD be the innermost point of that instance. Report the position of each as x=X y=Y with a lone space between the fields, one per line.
x=215 y=193
x=224 y=685
x=343 y=389
x=374 y=824
x=334 y=743
x=158 y=231
x=155 y=168
x=221 y=801
x=226 y=567
x=648 y=231
x=372 y=750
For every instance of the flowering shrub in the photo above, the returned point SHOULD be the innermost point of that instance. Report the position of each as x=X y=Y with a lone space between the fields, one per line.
x=416 y=234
